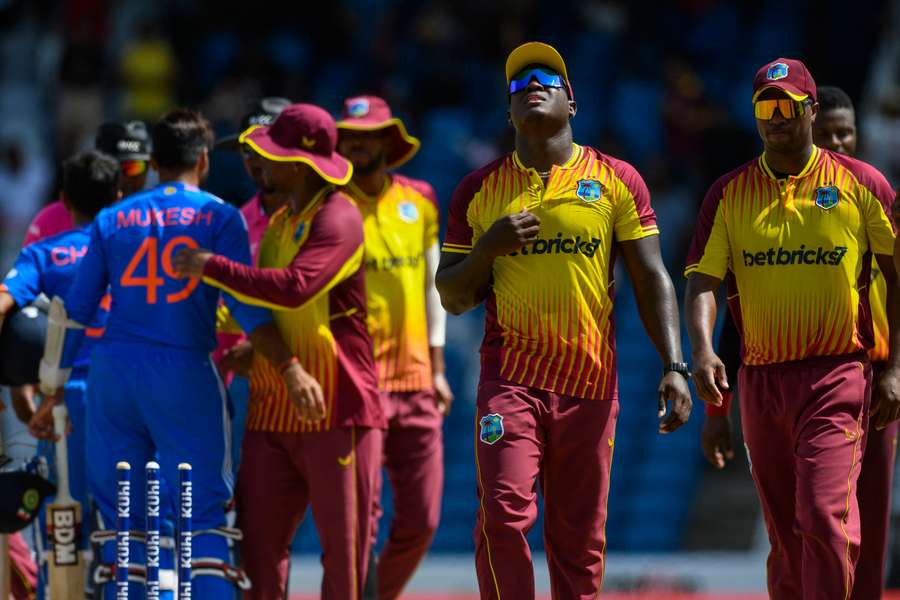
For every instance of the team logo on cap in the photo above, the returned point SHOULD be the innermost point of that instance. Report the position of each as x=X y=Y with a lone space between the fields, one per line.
x=827 y=197
x=358 y=107
x=589 y=190
x=777 y=71
x=491 y=428
x=408 y=211
x=309 y=143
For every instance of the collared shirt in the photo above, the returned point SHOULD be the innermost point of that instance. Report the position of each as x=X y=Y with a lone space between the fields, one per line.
x=549 y=310
x=400 y=224
x=310 y=274
x=800 y=249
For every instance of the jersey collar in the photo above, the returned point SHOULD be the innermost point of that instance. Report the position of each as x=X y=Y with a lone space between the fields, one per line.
x=810 y=164
x=358 y=193
x=574 y=158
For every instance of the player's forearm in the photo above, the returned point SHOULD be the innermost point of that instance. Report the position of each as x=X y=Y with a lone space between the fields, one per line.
x=658 y=307
x=267 y=340
x=464 y=284
x=7 y=303
x=438 y=367
x=700 y=313
x=279 y=289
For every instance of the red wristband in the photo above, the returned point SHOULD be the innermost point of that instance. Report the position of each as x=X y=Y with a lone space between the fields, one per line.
x=288 y=364
x=720 y=411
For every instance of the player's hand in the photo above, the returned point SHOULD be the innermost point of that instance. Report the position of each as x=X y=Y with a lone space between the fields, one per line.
x=23 y=402
x=673 y=389
x=715 y=440
x=886 y=398
x=509 y=233
x=190 y=262
x=41 y=424
x=443 y=395
x=710 y=378
x=238 y=358
x=305 y=393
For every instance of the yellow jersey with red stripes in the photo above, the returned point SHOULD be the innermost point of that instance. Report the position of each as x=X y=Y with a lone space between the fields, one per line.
x=801 y=250
x=549 y=310
x=400 y=224
x=310 y=274
x=880 y=351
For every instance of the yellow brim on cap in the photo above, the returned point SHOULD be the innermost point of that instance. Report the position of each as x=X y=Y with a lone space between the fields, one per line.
x=534 y=53
x=791 y=95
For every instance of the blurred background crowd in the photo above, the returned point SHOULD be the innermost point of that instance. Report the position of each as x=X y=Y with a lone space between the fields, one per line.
x=664 y=85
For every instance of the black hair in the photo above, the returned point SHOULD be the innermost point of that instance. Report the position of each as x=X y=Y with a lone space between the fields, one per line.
x=179 y=138
x=832 y=98
x=90 y=181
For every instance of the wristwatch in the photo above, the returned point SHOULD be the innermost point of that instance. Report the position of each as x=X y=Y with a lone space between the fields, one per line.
x=678 y=367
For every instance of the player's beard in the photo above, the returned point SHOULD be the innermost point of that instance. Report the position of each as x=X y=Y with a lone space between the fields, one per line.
x=370 y=167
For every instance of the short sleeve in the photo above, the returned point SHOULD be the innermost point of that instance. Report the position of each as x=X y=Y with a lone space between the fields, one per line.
x=710 y=249
x=459 y=237
x=634 y=217
x=23 y=282
x=879 y=226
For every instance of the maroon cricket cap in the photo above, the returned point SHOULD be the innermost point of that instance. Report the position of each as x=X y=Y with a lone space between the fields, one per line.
x=788 y=75
x=371 y=113
x=302 y=133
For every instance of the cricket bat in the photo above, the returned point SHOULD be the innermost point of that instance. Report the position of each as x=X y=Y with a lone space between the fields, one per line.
x=66 y=561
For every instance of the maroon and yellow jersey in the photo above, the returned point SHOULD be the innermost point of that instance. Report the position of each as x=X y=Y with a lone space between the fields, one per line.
x=880 y=351
x=800 y=249
x=549 y=318
x=310 y=274
x=400 y=225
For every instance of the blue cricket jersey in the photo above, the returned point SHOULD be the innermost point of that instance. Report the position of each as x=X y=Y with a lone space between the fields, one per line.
x=48 y=267
x=131 y=248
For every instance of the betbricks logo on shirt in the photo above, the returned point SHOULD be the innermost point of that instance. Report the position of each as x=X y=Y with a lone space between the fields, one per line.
x=561 y=245
x=779 y=257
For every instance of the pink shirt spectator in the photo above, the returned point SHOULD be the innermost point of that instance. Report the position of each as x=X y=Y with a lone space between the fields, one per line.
x=52 y=219
x=257 y=221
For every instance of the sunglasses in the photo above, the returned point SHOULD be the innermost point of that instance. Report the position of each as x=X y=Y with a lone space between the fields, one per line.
x=789 y=109
x=545 y=77
x=133 y=168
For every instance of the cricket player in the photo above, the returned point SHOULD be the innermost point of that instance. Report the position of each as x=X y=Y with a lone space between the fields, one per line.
x=407 y=324
x=235 y=353
x=531 y=235
x=835 y=129
x=129 y=144
x=797 y=227
x=311 y=274
x=48 y=266
x=153 y=392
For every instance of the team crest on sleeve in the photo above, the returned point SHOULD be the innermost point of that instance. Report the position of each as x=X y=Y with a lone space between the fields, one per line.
x=589 y=190
x=301 y=228
x=408 y=211
x=491 y=428
x=358 y=107
x=827 y=197
x=777 y=71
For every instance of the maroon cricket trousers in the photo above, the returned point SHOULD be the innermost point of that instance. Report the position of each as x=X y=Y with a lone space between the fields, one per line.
x=414 y=461
x=525 y=436
x=804 y=426
x=874 y=496
x=333 y=472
